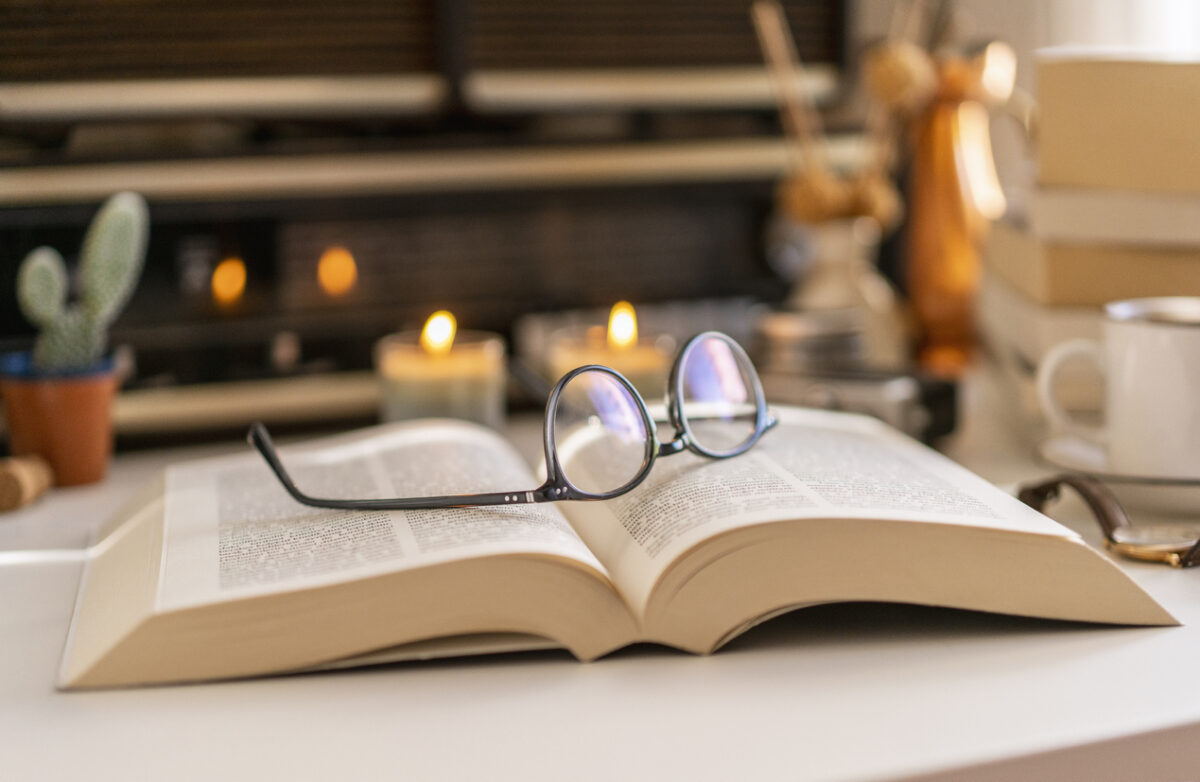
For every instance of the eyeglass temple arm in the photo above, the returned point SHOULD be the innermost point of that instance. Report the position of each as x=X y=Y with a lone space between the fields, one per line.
x=260 y=438
x=1100 y=500
x=1103 y=504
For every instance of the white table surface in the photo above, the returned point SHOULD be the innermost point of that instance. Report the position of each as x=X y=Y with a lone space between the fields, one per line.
x=861 y=692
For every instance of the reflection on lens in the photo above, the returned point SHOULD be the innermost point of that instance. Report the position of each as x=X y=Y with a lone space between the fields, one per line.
x=599 y=433
x=718 y=400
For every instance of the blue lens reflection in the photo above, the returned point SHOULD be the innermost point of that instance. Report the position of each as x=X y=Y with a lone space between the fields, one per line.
x=712 y=373
x=615 y=408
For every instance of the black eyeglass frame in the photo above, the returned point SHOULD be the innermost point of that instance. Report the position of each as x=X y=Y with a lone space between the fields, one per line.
x=557 y=486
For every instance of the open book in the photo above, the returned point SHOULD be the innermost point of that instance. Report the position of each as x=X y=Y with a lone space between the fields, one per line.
x=214 y=572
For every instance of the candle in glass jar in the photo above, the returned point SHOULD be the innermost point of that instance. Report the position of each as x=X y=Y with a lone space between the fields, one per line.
x=442 y=372
x=644 y=362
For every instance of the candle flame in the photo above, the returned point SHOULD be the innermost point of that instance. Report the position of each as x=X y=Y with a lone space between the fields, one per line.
x=622 y=326
x=438 y=335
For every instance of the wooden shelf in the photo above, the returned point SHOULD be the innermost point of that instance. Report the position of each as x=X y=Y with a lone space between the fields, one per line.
x=340 y=175
x=747 y=87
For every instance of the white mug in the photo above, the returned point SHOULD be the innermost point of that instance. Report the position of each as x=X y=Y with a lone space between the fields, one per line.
x=1150 y=358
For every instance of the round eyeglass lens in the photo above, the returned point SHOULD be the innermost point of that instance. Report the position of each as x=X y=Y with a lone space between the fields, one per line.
x=718 y=402
x=600 y=433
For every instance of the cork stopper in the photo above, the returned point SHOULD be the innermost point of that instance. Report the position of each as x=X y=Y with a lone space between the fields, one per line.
x=22 y=480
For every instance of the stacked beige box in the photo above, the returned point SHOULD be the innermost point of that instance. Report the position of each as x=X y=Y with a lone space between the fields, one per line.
x=1115 y=213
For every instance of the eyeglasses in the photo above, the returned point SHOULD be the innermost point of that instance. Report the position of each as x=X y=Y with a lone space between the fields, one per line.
x=1173 y=544
x=599 y=439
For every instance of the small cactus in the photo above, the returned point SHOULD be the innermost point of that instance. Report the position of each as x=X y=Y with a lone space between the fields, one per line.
x=74 y=335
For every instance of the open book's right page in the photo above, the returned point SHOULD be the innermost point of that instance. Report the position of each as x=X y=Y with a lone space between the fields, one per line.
x=814 y=464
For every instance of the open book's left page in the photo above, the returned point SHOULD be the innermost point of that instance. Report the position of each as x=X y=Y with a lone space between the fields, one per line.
x=231 y=531
x=221 y=574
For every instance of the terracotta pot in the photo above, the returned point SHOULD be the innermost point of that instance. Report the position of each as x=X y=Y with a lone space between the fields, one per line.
x=64 y=418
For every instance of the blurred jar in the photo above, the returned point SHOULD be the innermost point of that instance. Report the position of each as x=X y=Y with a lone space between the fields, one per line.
x=841 y=275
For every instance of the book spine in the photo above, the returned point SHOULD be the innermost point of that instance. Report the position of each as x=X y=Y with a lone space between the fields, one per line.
x=1116 y=216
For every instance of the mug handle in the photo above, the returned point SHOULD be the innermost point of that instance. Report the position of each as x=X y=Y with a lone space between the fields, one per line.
x=1060 y=419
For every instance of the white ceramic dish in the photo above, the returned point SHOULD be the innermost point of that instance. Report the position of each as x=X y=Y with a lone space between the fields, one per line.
x=1172 y=495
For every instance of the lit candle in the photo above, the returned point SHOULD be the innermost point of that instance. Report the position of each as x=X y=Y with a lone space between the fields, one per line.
x=644 y=362
x=442 y=372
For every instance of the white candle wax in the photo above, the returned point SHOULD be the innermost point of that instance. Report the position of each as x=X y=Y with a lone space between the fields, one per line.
x=466 y=382
x=645 y=363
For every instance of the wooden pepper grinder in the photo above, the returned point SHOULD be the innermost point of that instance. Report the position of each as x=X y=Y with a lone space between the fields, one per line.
x=953 y=195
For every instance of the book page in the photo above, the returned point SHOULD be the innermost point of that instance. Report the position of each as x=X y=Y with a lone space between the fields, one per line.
x=231 y=531
x=814 y=464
